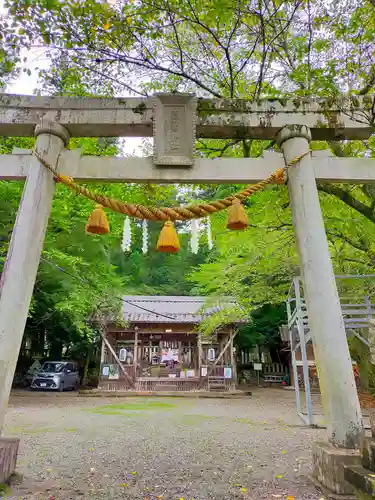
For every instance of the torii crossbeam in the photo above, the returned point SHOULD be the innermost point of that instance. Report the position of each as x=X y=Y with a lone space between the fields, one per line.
x=175 y=121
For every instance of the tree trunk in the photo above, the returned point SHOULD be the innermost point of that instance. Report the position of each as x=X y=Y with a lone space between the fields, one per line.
x=86 y=367
x=55 y=352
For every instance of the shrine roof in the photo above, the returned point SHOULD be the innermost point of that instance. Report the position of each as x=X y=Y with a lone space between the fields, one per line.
x=174 y=309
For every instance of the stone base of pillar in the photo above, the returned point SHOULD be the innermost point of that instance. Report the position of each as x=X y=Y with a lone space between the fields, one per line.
x=329 y=468
x=362 y=481
x=8 y=457
x=361 y=477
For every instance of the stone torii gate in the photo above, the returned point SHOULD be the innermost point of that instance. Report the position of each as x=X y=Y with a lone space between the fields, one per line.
x=175 y=121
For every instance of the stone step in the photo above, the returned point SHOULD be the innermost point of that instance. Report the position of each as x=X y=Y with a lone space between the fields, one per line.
x=8 y=457
x=368 y=454
x=362 y=480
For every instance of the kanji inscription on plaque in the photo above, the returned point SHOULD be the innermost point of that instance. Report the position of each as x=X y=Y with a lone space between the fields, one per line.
x=174 y=119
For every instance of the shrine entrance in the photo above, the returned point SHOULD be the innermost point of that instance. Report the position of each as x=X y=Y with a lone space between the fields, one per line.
x=159 y=347
x=175 y=121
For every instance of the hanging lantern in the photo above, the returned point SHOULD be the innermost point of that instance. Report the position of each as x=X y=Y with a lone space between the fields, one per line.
x=168 y=239
x=126 y=243
x=98 y=222
x=123 y=354
x=237 y=217
x=211 y=354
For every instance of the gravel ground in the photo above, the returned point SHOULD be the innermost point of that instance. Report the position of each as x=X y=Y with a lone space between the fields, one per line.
x=170 y=448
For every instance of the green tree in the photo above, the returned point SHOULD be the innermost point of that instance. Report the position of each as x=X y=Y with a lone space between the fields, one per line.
x=266 y=49
x=263 y=329
x=9 y=53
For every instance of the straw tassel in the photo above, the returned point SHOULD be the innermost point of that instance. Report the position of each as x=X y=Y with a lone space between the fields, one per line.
x=168 y=239
x=237 y=217
x=98 y=222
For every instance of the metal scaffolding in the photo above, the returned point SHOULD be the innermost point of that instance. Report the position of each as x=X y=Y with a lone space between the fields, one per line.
x=357 y=314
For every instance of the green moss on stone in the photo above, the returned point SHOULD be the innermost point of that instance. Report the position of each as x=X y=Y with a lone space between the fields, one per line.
x=140 y=109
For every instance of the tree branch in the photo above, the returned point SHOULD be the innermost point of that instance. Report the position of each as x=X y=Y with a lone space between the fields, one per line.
x=348 y=199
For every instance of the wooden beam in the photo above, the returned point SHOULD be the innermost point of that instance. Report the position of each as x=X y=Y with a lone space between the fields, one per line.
x=328 y=119
x=327 y=168
x=135 y=357
x=221 y=354
x=199 y=352
x=116 y=358
x=233 y=360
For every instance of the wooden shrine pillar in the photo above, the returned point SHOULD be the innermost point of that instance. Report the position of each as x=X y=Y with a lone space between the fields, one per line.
x=199 y=352
x=233 y=358
x=135 y=357
x=25 y=248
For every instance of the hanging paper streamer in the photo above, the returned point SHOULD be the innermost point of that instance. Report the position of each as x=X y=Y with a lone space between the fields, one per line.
x=127 y=236
x=144 y=236
x=194 y=241
x=209 y=234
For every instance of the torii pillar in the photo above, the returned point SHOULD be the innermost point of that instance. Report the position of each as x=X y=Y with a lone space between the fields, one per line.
x=339 y=394
x=20 y=269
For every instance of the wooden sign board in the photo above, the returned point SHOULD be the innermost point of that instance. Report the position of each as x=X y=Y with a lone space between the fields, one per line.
x=174 y=123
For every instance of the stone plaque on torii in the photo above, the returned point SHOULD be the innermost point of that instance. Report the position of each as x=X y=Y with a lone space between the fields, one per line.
x=175 y=120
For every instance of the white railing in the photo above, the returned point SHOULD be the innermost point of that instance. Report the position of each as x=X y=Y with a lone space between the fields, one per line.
x=357 y=312
x=356 y=315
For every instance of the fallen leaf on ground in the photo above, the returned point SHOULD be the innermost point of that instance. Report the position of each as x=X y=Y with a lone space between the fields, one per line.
x=244 y=490
x=289 y=498
x=124 y=485
x=134 y=473
x=283 y=452
x=91 y=449
x=279 y=476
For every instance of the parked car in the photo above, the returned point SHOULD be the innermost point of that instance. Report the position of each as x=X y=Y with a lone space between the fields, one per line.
x=57 y=375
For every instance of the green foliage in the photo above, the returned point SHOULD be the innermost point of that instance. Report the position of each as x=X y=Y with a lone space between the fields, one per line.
x=61 y=304
x=81 y=274
x=156 y=273
x=280 y=49
x=254 y=266
x=9 y=56
x=264 y=326
x=225 y=49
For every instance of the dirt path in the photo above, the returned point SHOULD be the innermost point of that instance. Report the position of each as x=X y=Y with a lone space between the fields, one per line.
x=142 y=448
